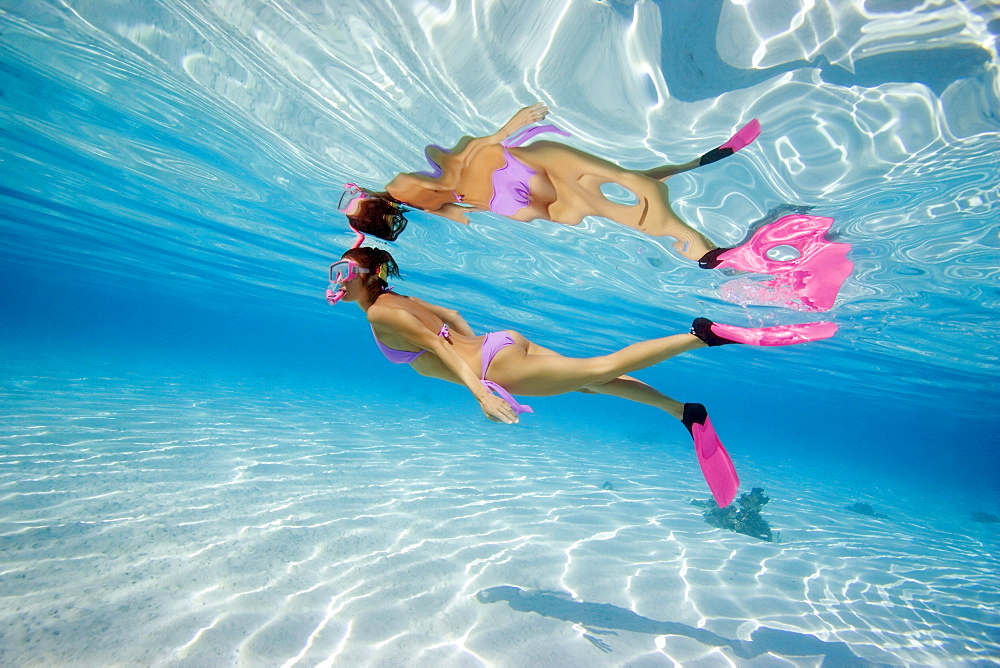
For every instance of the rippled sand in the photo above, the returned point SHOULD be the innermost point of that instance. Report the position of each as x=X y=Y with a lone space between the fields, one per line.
x=179 y=521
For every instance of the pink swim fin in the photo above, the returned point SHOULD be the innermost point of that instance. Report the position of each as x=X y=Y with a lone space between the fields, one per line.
x=716 y=466
x=809 y=282
x=743 y=138
x=718 y=334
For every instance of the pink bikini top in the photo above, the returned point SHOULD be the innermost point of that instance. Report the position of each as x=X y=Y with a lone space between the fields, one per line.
x=404 y=356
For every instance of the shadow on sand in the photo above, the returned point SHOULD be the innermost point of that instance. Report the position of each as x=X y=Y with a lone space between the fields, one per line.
x=605 y=619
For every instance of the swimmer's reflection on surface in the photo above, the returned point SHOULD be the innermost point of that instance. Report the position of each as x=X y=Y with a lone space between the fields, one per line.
x=547 y=180
x=606 y=619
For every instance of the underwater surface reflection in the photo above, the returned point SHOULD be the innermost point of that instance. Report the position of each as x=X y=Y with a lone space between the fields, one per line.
x=177 y=462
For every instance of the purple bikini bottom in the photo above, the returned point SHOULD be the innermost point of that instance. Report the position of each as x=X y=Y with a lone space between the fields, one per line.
x=494 y=342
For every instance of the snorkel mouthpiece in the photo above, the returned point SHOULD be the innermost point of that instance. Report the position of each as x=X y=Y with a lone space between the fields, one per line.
x=334 y=296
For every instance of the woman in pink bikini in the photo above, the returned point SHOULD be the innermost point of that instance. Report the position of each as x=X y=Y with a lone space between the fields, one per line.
x=437 y=342
x=545 y=179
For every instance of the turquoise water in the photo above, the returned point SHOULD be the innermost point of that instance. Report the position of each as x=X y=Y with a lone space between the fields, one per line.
x=181 y=484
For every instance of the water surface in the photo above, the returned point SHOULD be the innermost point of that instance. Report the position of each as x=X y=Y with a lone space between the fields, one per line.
x=182 y=485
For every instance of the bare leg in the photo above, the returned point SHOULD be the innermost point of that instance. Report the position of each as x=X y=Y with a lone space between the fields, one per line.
x=624 y=387
x=550 y=374
x=567 y=188
x=743 y=137
x=666 y=171
x=633 y=389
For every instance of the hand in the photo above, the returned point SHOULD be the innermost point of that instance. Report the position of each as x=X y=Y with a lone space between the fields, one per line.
x=533 y=114
x=454 y=212
x=498 y=410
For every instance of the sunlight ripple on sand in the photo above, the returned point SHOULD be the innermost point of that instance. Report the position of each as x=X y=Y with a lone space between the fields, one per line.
x=268 y=529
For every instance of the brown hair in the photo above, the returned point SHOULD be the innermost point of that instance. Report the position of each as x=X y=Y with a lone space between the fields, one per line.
x=375 y=260
x=380 y=215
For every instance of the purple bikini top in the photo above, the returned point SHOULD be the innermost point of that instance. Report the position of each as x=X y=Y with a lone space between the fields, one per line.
x=404 y=356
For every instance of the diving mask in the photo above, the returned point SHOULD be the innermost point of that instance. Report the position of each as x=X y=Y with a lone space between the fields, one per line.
x=341 y=272
x=344 y=270
x=352 y=193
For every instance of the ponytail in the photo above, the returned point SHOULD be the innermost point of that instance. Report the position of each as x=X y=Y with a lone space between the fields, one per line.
x=379 y=215
x=380 y=265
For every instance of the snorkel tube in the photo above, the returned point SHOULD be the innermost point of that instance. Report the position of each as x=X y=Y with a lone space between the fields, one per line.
x=334 y=292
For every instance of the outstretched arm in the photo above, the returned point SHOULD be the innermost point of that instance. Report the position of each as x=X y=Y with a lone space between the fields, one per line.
x=467 y=147
x=524 y=117
x=405 y=325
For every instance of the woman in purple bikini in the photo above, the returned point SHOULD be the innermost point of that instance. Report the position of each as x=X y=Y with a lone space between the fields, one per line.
x=437 y=342
x=545 y=179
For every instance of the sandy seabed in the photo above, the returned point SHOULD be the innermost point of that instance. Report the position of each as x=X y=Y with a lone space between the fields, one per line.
x=172 y=521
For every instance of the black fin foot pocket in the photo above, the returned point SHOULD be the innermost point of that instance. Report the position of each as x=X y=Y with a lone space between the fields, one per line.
x=694 y=414
x=715 y=155
x=710 y=260
x=702 y=328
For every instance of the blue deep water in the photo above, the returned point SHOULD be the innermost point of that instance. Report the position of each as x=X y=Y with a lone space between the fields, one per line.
x=176 y=397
